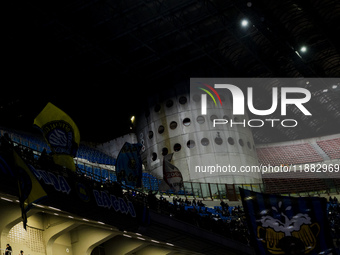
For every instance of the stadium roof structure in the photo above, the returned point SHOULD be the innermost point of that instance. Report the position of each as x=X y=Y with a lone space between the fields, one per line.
x=87 y=56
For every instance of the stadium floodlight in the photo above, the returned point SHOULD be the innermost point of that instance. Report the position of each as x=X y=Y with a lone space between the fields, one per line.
x=303 y=49
x=244 y=23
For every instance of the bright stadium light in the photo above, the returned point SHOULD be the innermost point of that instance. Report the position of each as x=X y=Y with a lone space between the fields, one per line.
x=303 y=49
x=244 y=23
x=132 y=119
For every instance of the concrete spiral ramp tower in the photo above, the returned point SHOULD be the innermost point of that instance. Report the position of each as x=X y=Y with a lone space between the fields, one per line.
x=173 y=123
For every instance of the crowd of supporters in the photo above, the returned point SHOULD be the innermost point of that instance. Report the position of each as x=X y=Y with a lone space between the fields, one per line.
x=229 y=223
x=222 y=220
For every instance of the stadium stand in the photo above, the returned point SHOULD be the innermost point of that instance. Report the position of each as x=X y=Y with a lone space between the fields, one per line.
x=39 y=144
x=288 y=154
x=228 y=221
x=331 y=147
x=308 y=153
x=100 y=167
x=94 y=155
x=150 y=182
x=293 y=185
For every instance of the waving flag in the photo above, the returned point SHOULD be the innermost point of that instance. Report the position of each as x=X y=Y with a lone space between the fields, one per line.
x=61 y=134
x=129 y=165
x=287 y=225
x=30 y=190
x=171 y=174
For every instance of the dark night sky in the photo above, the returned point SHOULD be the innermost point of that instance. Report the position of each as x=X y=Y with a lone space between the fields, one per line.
x=38 y=70
x=100 y=60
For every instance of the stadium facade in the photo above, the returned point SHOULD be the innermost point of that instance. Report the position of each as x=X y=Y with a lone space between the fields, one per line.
x=174 y=124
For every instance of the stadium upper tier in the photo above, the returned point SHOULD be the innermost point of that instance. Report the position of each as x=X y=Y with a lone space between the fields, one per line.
x=306 y=152
x=100 y=166
x=39 y=144
x=277 y=154
x=331 y=147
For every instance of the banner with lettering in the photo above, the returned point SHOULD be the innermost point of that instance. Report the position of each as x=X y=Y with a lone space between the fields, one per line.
x=79 y=195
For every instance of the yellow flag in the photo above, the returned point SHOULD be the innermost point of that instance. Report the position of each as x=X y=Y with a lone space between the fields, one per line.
x=61 y=134
x=64 y=161
x=30 y=190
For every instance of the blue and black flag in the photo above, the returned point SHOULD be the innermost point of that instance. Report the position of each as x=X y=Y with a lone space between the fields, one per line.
x=287 y=225
x=129 y=165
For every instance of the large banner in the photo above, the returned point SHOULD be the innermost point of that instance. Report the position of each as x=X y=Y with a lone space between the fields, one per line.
x=61 y=134
x=67 y=191
x=287 y=225
x=129 y=165
x=88 y=199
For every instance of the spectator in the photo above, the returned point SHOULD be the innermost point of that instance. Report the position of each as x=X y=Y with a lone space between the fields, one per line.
x=8 y=250
x=200 y=203
x=222 y=204
x=194 y=202
x=152 y=200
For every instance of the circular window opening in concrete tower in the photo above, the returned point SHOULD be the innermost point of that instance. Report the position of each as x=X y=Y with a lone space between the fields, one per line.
x=200 y=119
x=231 y=141
x=186 y=122
x=191 y=144
x=249 y=145
x=213 y=117
x=205 y=141
x=169 y=103
x=240 y=141
x=177 y=147
x=165 y=151
x=218 y=140
x=160 y=129
x=173 y=125
x=150 y=134
x=154 y=156
x=226 y=117
x=182 y=100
